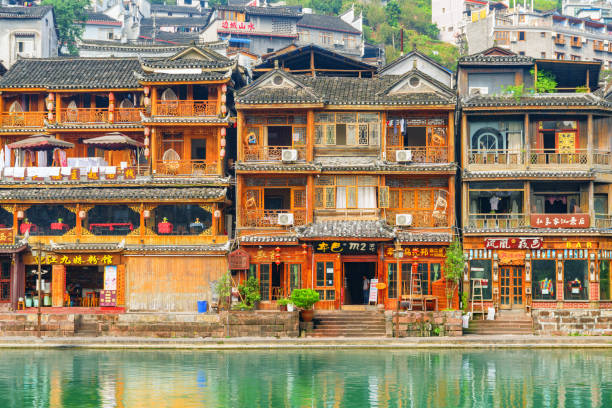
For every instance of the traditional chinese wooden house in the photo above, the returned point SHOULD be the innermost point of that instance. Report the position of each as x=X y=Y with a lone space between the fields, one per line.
x=117 y=167
x=336 y=175
x=536 y=183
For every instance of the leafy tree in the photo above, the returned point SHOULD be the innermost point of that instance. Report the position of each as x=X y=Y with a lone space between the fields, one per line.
x=393 y=11
x=545 y=83
x=453 y=269
x=70 y=20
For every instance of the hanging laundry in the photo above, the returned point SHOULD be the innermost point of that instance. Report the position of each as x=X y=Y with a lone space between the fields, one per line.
x=494 y=201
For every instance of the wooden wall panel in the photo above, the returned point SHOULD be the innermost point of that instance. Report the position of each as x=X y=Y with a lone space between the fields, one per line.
x=58 y=285
x=171 y=283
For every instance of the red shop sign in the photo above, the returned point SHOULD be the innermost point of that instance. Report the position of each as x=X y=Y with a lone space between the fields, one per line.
x=513 y=243
x=560 y=221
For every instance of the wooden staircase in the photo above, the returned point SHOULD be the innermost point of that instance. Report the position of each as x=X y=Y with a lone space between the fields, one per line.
x=348 y=323
x=506 y=322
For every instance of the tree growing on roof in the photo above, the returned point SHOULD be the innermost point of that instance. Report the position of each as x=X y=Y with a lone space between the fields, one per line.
x=70 y=20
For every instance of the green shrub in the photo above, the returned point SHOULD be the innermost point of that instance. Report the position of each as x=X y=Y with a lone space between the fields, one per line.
x=304 y=298
x=249 y=292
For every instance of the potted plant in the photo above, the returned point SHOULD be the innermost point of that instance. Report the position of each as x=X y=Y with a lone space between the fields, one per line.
x=283 y=304
x=304 y=299
x=249 y=294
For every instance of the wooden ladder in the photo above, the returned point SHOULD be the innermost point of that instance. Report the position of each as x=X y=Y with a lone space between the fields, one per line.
x=477 y=295
x=416 y=291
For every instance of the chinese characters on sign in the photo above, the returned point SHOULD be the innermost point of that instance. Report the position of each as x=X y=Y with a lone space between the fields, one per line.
x=6 y=236
x=417 y=251
x=560 y=220
x=513 y=243
x=238 y=25
x=71 y=259
x=345 y=247
x=108 y=298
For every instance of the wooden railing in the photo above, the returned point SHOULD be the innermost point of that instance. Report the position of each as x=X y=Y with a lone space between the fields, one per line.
x=576 y=42
x=187 y=108
x=559 y=40
x=603 y=221
x=269 y=218
x=420 y=218
x=185 y=168
x=504 y=157
x=126 y=115
x=84 y=115
x=552 y=158
x=22 y=119
x=601 y=157
x=498 y=221
x=273 y=153
x=421 y=154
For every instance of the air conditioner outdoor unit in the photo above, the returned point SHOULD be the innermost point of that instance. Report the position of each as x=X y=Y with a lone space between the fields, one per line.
x=289 y=155
x=403 y=156
x=513 y=38
x=478 y=90
x=404 y=220
x=285 y=219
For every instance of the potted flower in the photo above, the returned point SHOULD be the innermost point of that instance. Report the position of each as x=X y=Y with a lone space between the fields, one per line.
x=283 y=304
x=304 y=299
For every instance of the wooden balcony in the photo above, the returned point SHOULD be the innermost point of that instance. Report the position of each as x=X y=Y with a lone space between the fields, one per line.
x=127 y=115
x=559 y=40
x=498 y=221
x=185 y=168
x=576 y=42
x=187 y=108
x=421 y=218
x=270 y=153
x=598 y=46
x=550 y=158
x=422 y=154
x=603 y=221
x=22 y=119
x=262 y=218
x=84 y=115
x=497 y=157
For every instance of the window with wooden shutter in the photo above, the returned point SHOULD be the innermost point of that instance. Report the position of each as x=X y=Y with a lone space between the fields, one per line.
x=383 y=197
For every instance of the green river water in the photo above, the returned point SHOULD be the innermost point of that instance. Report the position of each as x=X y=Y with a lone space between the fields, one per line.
x=295 y=378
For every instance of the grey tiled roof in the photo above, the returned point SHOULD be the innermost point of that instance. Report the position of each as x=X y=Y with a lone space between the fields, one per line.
x=204 y=76
x=197 y=20
x=405 y=236
x=91 y=16
x=539 y=231
x=346 y=229
x=528 y=174
x=344 y=163
x=330 y=23
x=480 y=59
x=114 y=247
x=269 y=238
x=164 y=8
x=540 y=100
x=34 y=12
x=112 y=193
x=140 y=181
x=263 y=11
x=12 y=248
x=72 y=73
x=276 y=166
x=221 y=248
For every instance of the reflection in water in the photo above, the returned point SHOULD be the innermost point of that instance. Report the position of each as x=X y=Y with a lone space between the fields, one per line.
x=367 y=378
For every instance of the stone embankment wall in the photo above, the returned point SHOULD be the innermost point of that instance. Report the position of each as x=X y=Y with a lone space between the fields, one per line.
x=232 y=324
x=564 y=322
x=423 y=324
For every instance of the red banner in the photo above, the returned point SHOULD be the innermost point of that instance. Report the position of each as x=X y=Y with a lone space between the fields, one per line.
x=560 y=221
x=513 y=243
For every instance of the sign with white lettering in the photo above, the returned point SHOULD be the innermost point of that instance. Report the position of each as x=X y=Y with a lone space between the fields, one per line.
x=346 y=247
x=513 y=243
x=560 y=221
x=373 y=291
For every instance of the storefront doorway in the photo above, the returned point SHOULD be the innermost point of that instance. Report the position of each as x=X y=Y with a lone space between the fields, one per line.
x=511 y=287
x=353 y=281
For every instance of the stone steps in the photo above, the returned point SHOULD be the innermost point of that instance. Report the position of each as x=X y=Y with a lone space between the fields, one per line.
x=507 y=323
x=348 y=324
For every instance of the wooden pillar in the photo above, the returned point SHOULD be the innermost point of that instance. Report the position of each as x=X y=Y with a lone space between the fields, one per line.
x=590 y=139
x=218 y=104
x=153 y=152
x=310 y=128
x=111 y=106
x=464 y=141
x=526 y=143
x=79 y=222
x=592 y=202
x=142 y=221
x=310 y=198
x=312 y=65
x=465 y=204
x=153 y=100
x=58 y=107
x=189 y=92
x=383 y=136
x=215 y=221
x=239 y=201
x=1 y=102
x=451 y=201
x=240 y=135
x=58 y=285
x=527 y=201
x=451 y=137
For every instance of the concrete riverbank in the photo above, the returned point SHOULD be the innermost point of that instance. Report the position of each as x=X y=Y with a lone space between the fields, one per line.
x=255 y=343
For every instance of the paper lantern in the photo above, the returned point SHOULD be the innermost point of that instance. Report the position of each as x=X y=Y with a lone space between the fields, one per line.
x=222 y=153
x=304 y=249
x=223 y=131
x=51 y=96
x=50 y=116
x=223 y=108
x=146 y=90
x=217 y=214
x=146 y=152
x=147 y=101
x=20 y=214
x=82 y=214
x=223 y=98
x=146 y=140
x=111 y=96
x=223 y=142
x=49 y=105
x=224 y=88
x=147 y=131
x=146 y=213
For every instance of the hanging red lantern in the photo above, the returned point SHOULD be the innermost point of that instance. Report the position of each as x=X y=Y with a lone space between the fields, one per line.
x=222 y=153
x=51 y=96
x=224 y=88
x=223 y=131
x=223 y=142
x=304 y=249
x=147 y=131
x=111 y=96
x=277 y=255
x=146 y=90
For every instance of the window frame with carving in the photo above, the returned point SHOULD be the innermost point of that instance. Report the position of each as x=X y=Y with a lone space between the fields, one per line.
x=364 y=124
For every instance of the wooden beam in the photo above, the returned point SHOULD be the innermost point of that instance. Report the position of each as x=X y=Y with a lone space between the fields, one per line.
x=451 y=136
x=451 y=201
x=464 y=141
x=240 y=135
x=310 y=128
x=239 y=201
x=592 y=202
x=310 y=198
x=590 y=139
x=527 y=143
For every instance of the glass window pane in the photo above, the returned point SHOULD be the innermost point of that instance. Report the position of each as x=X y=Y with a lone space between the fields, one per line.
x=604 y=280
x=434 y=274
x=6 y=218
x=320 y=273
x=111 y=220
x=486 y=266
x=406 y=271
x=186 y=219
x=543 y=279
x=264 y=281
x=47 y=220
x=422 y=269
x=392 y=280
x=295 y=276
x=252 y=273
x=575 y=283
x=329 y=274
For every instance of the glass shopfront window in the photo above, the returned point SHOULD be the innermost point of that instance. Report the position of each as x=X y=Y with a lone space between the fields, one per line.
x=188 y=219
x=605 y=288
x=482 y=269
x=44 y=219
x=295 y=277
x=111 y=220
x=5 y=280
x=392 y=280
x=543 y=279
x=325 y=280
x=264 y=281
x=575 y=281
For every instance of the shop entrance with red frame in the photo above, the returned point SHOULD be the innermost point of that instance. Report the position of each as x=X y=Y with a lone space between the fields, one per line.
x=511 y=287
x=354 y=269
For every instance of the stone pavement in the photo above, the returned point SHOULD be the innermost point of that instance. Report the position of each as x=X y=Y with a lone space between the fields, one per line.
x=244 y=343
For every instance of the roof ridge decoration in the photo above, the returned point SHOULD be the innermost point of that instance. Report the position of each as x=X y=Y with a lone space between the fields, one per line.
x=403 y=83
x=410 y=54
x=205 y=52
x=269 y=80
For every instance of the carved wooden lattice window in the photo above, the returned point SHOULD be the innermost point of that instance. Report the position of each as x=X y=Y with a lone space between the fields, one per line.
x=347 y=129
x=299 y=198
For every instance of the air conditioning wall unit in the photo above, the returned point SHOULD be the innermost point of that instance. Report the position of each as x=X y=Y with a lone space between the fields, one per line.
x=478 y=90
x=513 y=37
x=289 y=155
x=403 y=220
x=403 y=156
x=285 y=219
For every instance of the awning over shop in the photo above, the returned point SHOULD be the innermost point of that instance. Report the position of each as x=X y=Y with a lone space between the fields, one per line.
x=41 y=142
x=113 y=141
